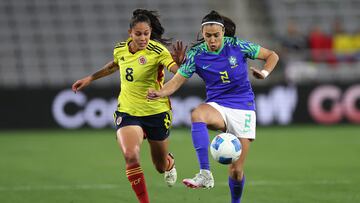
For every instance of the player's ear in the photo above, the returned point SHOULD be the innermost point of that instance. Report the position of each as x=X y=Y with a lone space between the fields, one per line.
x=202 y=32
x=129 y=31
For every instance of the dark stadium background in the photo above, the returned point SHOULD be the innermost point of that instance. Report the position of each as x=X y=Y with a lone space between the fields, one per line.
x=56 y=146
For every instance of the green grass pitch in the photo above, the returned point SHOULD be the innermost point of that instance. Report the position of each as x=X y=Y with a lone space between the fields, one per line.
x=293 y=164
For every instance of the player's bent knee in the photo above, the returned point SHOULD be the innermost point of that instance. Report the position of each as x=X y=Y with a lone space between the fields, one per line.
x=236 y=172
x=197 y=115
x=131 y=157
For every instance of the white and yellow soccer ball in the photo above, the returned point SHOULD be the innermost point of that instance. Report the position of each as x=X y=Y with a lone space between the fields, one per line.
x=225 y=148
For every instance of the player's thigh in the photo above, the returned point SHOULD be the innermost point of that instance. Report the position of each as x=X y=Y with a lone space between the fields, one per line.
x=209 y=115
x=130 y=138
x=236 y=168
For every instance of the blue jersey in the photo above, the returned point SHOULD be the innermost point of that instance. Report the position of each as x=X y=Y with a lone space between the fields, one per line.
x=224 y=72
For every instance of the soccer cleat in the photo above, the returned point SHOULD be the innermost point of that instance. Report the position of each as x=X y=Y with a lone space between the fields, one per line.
x=171 y=175
x=204 y=179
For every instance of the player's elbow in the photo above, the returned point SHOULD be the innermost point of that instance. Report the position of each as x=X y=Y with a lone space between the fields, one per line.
x=274 y=56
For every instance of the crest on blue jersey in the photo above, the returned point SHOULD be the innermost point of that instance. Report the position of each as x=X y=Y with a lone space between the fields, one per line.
x=233 y=61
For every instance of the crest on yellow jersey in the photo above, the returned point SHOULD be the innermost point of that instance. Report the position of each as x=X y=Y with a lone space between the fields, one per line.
x=142 y=60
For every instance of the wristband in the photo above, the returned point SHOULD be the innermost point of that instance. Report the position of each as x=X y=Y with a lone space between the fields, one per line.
x=265 y=72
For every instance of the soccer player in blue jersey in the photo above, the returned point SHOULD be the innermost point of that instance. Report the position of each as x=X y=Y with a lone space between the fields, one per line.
x=220 y=60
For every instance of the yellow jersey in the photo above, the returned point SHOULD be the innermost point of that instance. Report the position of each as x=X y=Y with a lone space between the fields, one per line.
x=139 y=72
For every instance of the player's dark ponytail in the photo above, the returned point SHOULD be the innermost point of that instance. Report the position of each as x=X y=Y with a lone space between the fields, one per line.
x=213 y=16
x=152 y=18
x=230 y=27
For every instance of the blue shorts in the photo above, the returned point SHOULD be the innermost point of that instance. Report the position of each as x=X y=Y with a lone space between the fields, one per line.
x=155 y=127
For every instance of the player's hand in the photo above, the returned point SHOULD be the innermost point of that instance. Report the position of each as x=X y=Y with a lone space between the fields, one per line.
x=153 y=94
x=178 y=52
x=80 y=84
x=256 y=73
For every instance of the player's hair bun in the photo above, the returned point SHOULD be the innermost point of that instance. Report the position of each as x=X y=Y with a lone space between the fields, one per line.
x=214 y=13
x=213 y=16
x=140 y=12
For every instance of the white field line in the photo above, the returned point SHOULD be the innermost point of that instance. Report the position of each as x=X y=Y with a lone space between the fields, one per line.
x=116 y=186
x=315 y=182
x=60 y=187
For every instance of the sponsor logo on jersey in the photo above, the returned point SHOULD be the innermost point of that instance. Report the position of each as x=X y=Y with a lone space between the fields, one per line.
x=142 y=60
x=206 y=66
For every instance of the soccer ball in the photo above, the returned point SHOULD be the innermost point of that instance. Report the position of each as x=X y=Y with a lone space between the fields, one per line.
x=225 y=148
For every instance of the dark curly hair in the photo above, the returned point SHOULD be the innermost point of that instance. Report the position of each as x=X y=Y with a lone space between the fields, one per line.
x=151 y=18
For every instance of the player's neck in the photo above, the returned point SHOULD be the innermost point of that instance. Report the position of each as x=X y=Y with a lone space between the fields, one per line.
x=132 y=48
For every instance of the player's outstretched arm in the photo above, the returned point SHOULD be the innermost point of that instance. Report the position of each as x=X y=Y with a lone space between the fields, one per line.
x=270 y=58
x=169 y=88
x=106 y=70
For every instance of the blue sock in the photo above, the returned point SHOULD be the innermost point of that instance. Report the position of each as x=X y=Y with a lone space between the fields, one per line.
x=236 y=189
x=200 y=138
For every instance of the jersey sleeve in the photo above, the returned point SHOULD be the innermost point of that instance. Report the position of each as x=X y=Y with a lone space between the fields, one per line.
x=117 y=51
x=188 y=68
x=250 y=50
x=166 y=59
x=116 y=58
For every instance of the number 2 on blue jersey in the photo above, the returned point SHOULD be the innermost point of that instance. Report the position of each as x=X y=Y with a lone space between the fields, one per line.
x=224 y=77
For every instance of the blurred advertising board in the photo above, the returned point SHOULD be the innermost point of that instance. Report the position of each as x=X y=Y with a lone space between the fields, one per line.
x=94 y=107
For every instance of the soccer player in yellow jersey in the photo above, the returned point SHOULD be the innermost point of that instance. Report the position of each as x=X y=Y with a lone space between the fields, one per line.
x=141 y=60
